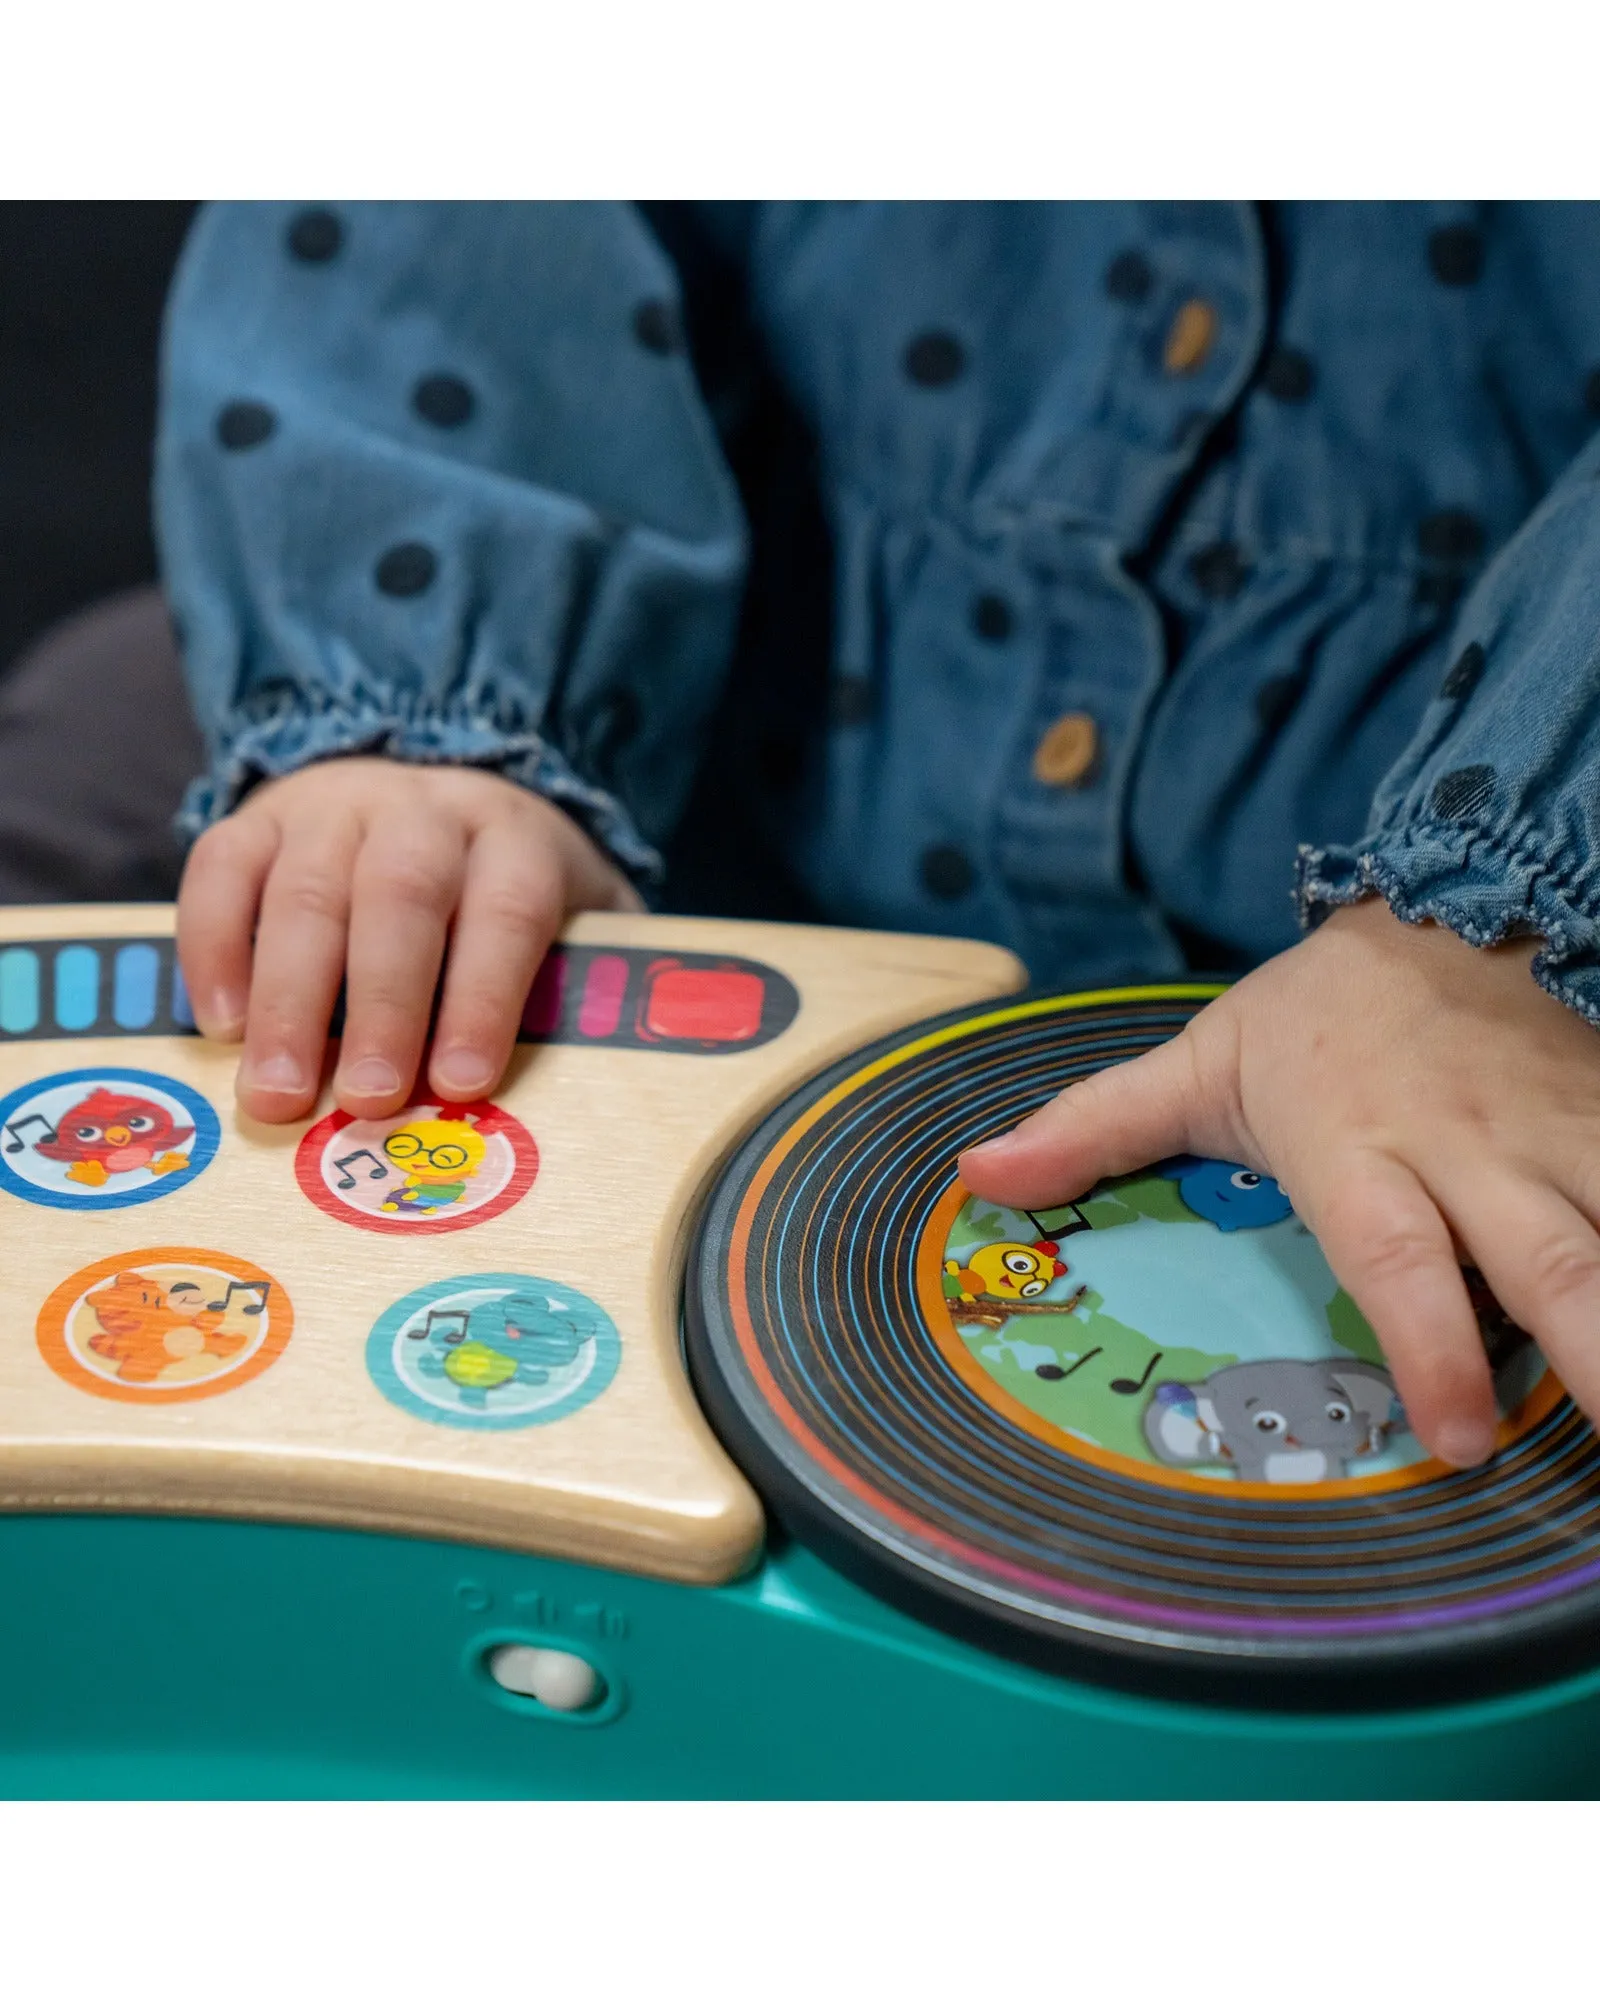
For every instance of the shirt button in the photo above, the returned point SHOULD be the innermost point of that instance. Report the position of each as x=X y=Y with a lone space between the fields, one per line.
x=946 y=873
x=1067 y=750
x=1189 y=338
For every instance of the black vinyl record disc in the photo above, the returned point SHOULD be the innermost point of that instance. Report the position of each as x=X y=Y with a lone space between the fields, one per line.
x=1143 y=1437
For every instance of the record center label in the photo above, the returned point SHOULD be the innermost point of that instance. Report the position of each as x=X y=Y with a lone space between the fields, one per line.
x=1182 y=1320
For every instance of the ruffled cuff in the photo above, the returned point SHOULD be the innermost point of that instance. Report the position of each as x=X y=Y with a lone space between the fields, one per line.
x=288 y=733
x=1485 y=886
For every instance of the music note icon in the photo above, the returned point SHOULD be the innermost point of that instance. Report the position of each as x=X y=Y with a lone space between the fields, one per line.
x=14 y=1139
x=1125 y=1386
x=377 y=1172
x=258 y=1287
x=450 y=1322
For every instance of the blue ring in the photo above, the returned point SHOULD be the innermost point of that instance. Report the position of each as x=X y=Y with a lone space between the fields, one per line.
x=380 y=1353
x=207 y=1138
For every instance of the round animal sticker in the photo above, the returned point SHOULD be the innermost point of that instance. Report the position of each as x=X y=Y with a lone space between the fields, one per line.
x=493 y=1352
x=103 y=1138
x=422 y=1171
x=1185 y=1320
x=165 y=1325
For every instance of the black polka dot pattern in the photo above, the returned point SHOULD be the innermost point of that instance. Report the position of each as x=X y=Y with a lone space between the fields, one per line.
x=991 y=617
x=1219 y=569
x=934 y=360
x=1129 y=278
x=1591 y=392
x=946 y=873
x=1289 y=376
x=1452 y=535
x=850 y=701
x=406 y=570
x=1463 y=677
x=242 y=426
x=316 y=236
x=1275 y=700
x=1455 y=254
x=1460 y=794
x=443 y=400
x=655 y=326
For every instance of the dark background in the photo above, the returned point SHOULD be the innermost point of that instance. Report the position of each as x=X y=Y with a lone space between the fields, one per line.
x=81 y=291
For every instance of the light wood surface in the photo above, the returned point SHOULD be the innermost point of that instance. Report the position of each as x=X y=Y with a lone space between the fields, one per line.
x=628 y=1141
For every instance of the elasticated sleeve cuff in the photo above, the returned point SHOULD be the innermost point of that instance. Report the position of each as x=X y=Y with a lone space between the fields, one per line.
x=1483 y=889
x=1490 y=823
x=292 y=735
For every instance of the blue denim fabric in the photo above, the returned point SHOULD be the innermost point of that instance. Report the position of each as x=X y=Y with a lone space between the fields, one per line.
x=1249 y=487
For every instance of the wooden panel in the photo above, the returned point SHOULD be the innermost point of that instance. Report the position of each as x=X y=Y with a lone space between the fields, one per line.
x=544 y=1408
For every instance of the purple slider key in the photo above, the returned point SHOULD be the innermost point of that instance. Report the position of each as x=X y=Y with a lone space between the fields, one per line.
x=542 y=1015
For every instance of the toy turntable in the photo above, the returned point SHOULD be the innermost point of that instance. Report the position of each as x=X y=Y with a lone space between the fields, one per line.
x=676 y=1424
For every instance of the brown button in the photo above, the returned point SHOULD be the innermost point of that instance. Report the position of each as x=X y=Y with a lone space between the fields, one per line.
x=1067 y=751
x=1189 y=341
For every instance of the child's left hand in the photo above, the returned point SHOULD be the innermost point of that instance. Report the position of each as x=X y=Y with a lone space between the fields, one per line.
x=1423 y=1104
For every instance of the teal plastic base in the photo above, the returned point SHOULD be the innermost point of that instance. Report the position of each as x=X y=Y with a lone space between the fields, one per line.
x=180 y=1658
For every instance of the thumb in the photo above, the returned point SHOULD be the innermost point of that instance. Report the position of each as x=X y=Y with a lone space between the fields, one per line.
x=1113 y=1122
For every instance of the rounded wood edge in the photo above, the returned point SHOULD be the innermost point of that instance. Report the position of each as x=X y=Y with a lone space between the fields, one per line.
x=707 y=1542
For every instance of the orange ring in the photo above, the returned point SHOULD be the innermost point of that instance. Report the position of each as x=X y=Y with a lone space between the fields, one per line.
x=67 y=1296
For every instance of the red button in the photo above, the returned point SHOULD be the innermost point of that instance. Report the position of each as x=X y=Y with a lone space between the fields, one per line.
x=690 y=1004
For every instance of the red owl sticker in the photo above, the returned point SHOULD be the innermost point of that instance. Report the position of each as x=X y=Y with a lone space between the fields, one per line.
x=103 y=1138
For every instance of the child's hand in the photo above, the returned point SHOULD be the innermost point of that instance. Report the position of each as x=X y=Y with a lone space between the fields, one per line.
x=1421 y=1102
x=359 y=869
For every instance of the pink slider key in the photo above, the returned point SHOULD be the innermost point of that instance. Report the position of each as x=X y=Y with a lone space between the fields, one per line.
x=604 y=990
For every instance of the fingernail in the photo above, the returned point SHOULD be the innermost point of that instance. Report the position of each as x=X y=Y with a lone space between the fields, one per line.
x=224 y=1018
x=463 y=1071
x=370 y=1077
x=1465 y=1443
x=280 y=1073
x=984 y=1147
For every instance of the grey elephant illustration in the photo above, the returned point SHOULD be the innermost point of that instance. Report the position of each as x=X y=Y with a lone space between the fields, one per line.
x=1282 y=1421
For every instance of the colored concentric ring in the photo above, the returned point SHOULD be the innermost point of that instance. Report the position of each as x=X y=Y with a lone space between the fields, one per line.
x=813 y=1347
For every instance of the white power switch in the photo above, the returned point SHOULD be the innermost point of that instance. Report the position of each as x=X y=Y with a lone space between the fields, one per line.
x=551 y=1677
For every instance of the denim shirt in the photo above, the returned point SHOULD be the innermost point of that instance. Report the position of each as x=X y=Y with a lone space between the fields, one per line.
x=1188 y=568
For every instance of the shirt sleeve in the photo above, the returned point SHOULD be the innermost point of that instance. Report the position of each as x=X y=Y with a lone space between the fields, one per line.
x=434 y=480
x=1490 y=823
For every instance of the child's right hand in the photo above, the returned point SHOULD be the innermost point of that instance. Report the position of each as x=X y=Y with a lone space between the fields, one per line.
x=361 y=870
